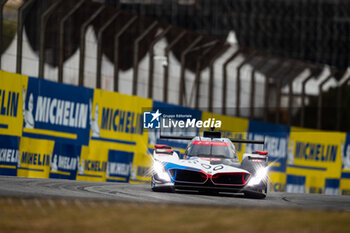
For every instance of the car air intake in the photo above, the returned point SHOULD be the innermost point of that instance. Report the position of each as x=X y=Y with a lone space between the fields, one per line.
x=188 y=176
x=237 y=178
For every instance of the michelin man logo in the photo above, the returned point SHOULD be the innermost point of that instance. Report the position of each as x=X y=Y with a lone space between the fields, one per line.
x=54 y=163
x=28 y=113
x=346 y=157
x=151 y=120
x=291 y=153
x=94 y=121
x=80 y=167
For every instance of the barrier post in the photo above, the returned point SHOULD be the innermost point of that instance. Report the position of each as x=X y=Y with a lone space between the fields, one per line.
x=183 y=63
x=2 y=4
x=198 y=77
x=263 y=61
x=22 y=13
x=238 y=83
x=278 y=90
x=43 y=23
x=224 y=81
x=272 y=70
x=116 y=51
x=211 y=79
x=82 y=43
x=302 y=115
x=136 y=56
x=320 y=101
x=290 y=99
x=339 y=105
x=99 y=48
x=151 y=60
x=61 y=38
x=166 y=68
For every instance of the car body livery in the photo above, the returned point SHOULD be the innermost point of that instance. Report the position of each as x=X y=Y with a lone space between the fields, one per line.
x=210 y=164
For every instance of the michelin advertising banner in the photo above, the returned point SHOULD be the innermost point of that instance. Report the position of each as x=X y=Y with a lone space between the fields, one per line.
x=53 y=130
x=56 y=112
x=276 y=144
x=315 y=161
x=345 y=172
x=11 y=119
x=117 y=150
x=9 y=154
x=55 y=126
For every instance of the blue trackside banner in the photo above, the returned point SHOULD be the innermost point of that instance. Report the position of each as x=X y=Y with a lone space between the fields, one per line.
x=9 y=155
x=346 y=154
x=119 y=166
x=276 y=142
x=345 y=171
x=56 y=112
x=65 y=160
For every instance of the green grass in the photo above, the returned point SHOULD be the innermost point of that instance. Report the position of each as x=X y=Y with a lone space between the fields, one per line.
x=48 y=215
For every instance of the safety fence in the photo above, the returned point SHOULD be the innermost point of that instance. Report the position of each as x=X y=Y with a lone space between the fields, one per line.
x=55 y=130
x=297 y=75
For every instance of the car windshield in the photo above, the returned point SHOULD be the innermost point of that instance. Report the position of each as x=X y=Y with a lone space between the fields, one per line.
x=211 y=149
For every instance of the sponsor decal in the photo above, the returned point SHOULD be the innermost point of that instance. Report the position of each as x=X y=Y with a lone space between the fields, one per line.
x=12 y=88
x=346 y=153
x=49 y=113
x=118 y=120
x=65 y=161
x=35 y=157
x=316 y=155
x=119 y=166
x=9 y=155
x=151 y=120
x=316 y=152
x=9 y=103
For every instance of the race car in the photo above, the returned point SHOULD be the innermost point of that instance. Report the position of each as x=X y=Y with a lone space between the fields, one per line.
x=210 y=164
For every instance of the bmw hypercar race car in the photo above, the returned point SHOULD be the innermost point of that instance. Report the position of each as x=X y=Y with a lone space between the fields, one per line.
x=210 y=164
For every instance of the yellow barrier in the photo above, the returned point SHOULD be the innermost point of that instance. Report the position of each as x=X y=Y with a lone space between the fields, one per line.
x=315 y=155
x=116 y=148
x=116 y=127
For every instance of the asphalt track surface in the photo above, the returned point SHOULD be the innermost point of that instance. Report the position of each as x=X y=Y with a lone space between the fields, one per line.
x=141 y=193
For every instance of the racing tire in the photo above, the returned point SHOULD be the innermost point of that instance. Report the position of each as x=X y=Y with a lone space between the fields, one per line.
x=257 y=195
x=164 y=189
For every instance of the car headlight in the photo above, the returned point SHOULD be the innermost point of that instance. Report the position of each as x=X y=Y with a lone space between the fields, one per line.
x=159 y=169
x=260 y=175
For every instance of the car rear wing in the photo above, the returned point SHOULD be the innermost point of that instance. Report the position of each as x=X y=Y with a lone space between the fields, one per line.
x=163 y=149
